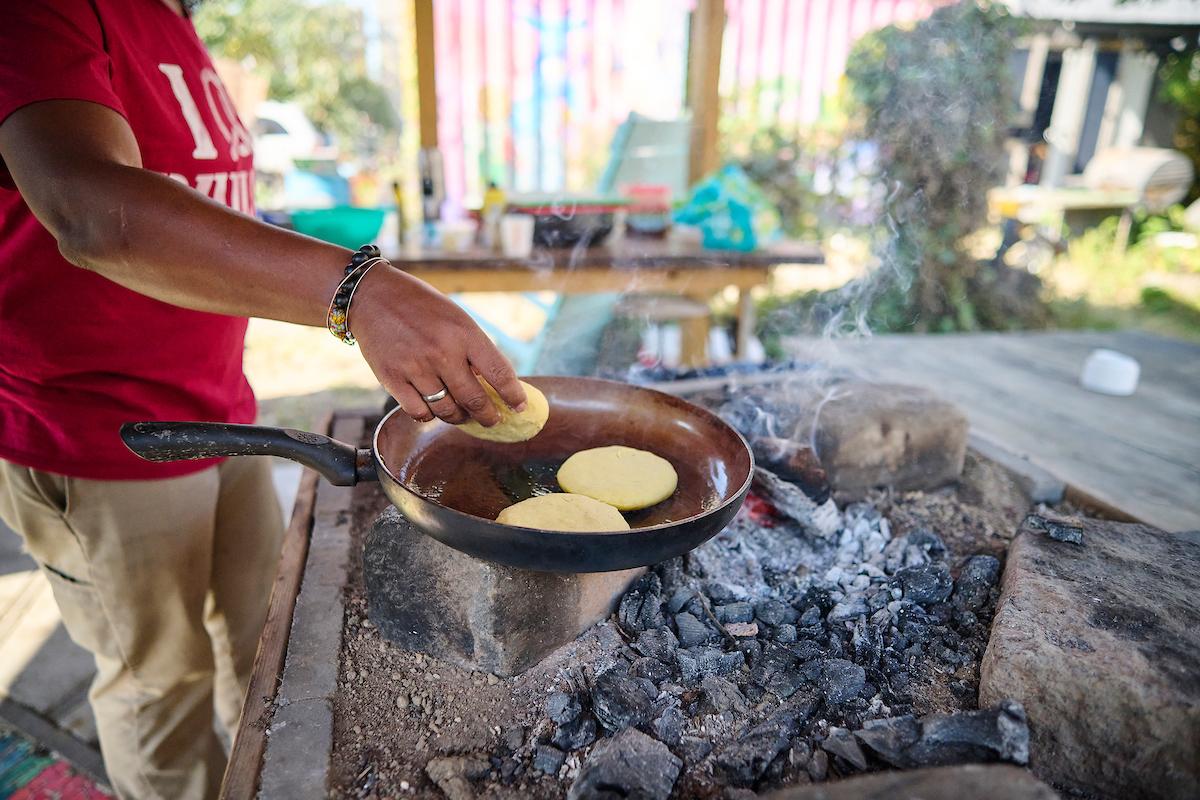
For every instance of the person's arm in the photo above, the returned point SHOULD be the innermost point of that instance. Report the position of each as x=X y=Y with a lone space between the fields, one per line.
x=78 y=167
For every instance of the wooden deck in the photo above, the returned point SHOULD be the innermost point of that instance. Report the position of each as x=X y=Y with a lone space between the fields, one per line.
x=1140 y=453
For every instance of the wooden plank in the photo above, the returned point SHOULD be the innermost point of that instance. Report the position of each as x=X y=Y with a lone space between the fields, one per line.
x=584 y=281
x=703 y=85
x=245 y=759
x=296 y=761
x=426 y=73
x=626 y=255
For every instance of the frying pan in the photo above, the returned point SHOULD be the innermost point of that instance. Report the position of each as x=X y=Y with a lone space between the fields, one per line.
x=451 y=486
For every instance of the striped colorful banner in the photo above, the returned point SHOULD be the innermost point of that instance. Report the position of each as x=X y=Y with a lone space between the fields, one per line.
x=530 y=91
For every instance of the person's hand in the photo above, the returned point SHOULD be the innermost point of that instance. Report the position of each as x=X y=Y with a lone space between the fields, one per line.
x=418 y=342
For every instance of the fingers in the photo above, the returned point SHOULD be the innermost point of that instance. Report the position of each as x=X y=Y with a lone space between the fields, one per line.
x=447 y=407
x=497 y=371
x=410 y=400
x=470 y=396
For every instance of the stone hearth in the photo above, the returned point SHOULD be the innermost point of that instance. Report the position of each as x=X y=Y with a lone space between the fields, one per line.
x=432 y=599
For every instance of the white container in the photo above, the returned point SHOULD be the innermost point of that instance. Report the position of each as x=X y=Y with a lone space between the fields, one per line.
x=516 y=235
x=1110 y=372
x=458 y=235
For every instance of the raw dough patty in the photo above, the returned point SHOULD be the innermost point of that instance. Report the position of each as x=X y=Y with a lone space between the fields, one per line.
x=621 y=476
x=563 y=512
x=512 y=427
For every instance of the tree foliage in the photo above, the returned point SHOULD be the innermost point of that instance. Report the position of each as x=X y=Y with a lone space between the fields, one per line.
x=312 y=54
x=935 y=98
x=1179 y=78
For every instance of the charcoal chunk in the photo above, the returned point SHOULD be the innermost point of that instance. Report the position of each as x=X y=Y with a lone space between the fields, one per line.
x=680 y=598
x=806 y=650
x=927 y=541
x=851 y=608
x=723 y=593
x=693 y=632
x=657 y=643
x=927 y=584
x=815 y=596
x=548 y=759
x=975 y=582
x=722 y=696
x=775 y=612
x=630 y=764
x=841 y=680
x=742 y=762
x=840 y=742
x=735 y=612
x=669 y=726
x=785 y=633
x=576 y=734
x=995 y=734
x=562 y=707
x=641 y=607
x=890 y=738
x=810 y=617
x=621 y=701
x=1060 y=530
x=651 y=669
x=694 y=749
x=707 y=661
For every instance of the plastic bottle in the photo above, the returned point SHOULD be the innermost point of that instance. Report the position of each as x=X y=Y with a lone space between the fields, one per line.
x=494 y=203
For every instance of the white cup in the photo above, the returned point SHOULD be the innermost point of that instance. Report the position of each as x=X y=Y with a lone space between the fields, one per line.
x=1110 y=372
x=457 y=235
x=516 y=235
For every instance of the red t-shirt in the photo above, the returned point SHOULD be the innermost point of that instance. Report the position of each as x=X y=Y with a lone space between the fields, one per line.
x=79 y=355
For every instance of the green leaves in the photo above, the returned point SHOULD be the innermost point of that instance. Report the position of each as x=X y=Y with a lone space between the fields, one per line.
x=312 y=53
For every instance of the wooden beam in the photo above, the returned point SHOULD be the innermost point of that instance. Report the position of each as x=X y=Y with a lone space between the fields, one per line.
x=703 y=84
x=426 y=74
x=245 y=761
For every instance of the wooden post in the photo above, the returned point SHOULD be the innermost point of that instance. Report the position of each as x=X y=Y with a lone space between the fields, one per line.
x=1070 y=109
x=426 y=74
x=703 y=84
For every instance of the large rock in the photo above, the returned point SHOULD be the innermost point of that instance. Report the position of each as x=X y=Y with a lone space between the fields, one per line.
x=630 y=764
x=880 y=434
x=430 y=598
x=1100 y=641
x=995 y=782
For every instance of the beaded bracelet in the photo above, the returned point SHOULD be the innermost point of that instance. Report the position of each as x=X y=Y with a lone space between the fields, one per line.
x=338 y=318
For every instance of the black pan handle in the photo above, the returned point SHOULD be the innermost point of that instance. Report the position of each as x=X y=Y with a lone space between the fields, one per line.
x=340 y=464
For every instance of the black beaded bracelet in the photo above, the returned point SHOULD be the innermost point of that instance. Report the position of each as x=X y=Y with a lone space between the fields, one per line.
x=338 y=318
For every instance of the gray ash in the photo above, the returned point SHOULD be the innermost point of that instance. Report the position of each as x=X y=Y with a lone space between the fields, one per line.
x=773 y=651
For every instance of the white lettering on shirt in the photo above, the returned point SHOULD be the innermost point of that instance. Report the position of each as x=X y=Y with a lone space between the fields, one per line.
x=224 y=115
x=232 y=189
x=191 y=114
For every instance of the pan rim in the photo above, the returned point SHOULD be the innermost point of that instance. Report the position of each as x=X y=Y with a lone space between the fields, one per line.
x=736 y=496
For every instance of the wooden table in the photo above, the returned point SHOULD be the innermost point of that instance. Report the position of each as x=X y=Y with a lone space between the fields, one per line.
x=642 y=266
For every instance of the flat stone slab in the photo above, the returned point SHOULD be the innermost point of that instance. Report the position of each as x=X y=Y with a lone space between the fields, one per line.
x=993 y=781
x=430 y=598
x=1100 y=641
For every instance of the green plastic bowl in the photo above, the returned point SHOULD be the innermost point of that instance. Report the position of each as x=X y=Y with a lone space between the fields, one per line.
x=348 y=226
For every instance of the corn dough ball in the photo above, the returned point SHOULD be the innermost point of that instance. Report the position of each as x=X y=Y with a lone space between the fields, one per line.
x=513 y=426
x=564 y=512
x=621 y=476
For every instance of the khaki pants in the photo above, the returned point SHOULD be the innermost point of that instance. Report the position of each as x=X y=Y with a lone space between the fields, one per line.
x=166 y=584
